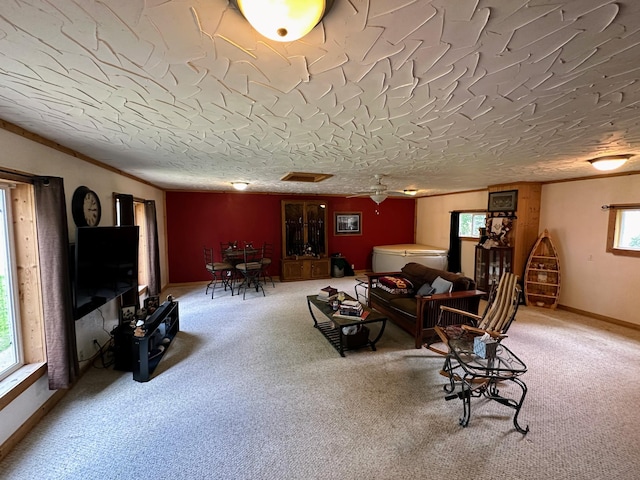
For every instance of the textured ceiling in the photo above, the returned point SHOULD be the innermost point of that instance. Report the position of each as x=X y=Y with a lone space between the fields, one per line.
x=441 y=96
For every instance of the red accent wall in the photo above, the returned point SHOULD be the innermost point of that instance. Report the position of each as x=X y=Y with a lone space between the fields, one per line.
x=199 y=219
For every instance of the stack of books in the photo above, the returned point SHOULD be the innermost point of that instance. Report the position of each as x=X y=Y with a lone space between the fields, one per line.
x=351 y=309
x=327 y=293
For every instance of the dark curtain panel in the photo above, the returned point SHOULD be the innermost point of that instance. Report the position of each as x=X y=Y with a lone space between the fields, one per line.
x=53 y=246
x=127 y=216
x=454 y=257
x=154 y=251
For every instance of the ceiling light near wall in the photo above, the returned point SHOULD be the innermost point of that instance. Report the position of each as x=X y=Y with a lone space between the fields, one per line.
x=610 y=162
x=410 y=192
x=283 y=20
x=240 y=185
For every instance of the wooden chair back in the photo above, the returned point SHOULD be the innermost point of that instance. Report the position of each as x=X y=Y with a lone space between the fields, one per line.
x=502 y=305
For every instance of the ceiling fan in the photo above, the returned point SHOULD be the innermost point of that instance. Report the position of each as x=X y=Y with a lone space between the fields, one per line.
x=378 y=192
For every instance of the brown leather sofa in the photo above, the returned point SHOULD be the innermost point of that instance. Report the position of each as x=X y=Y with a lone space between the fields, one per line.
x=418 y=314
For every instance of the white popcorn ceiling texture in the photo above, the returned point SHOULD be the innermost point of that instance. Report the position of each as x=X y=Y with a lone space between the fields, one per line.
x=442 y=95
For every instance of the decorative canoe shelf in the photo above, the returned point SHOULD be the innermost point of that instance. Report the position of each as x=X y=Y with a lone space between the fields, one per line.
x=542 y=275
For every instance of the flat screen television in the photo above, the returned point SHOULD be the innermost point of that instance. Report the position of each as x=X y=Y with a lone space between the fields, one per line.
x=105 y=266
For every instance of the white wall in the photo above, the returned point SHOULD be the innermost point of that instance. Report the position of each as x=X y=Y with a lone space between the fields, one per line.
x=30 y=157
x=433 y=217
x=592 y=280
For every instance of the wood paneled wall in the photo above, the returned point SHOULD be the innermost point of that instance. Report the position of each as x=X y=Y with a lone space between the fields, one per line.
x=525 y=231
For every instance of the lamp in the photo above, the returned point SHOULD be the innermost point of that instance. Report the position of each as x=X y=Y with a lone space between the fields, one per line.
x=240 y=185
x=284 y=20
x=378 y=197
x=610 y=162
x=410 y=192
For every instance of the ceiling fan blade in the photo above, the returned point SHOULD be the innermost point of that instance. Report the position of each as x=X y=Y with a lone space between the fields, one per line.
x=396 y=193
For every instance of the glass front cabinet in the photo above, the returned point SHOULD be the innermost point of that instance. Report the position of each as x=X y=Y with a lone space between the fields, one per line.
x=304 y=240
x=491 y=263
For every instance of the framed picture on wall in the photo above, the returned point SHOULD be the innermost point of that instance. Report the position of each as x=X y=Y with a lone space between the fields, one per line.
x=348 y=223
x=506 y=201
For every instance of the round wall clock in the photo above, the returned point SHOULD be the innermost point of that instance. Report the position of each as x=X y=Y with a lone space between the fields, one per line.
x=85 y=207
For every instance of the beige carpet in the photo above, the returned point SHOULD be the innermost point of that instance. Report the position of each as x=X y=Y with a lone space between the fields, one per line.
x=250 y=390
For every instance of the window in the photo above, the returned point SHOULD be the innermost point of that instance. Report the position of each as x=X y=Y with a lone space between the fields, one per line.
x=623 y=236
x=470 y=224
x=10 y=344
x=143 y=250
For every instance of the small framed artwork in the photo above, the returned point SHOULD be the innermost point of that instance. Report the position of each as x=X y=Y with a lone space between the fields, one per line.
x=348 y=223
x=127 y=314
x=151 y=304
x=506 y=201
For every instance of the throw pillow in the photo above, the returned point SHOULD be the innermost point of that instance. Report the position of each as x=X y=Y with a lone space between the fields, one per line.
x=395 y=285
x=426 y=290
x=441 y=285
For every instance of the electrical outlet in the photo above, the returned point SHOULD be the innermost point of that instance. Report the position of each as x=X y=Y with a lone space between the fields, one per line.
x=81 y=355
x=352 y=266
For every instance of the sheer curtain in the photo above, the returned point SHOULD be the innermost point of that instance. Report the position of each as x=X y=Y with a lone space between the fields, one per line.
x=153 y=279
x=53 y=247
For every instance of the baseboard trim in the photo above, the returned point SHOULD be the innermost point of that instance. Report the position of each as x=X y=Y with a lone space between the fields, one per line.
x=604 y=318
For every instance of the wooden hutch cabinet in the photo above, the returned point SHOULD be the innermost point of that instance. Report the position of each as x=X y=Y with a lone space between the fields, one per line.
x=304 y=240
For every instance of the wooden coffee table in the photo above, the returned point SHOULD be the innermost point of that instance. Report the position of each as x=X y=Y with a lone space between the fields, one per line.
x=332 y=327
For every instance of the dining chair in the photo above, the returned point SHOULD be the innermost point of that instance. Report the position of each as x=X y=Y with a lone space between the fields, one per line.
x=265 y=263
x=220 y=272
x=250 y=269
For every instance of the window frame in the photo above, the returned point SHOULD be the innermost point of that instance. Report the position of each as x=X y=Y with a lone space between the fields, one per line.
x=474 y=213
x=12 y=286
x=613 y=229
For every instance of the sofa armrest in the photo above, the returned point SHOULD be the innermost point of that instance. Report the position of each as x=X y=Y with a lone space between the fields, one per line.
x=429 y=309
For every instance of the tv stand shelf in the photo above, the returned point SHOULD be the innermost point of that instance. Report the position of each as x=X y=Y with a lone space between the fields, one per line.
x=142 y=354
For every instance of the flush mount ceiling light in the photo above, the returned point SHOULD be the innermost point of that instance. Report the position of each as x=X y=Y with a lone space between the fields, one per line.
x=240 y=185
x=284 y=20
x=610 y=162
x=410 y=192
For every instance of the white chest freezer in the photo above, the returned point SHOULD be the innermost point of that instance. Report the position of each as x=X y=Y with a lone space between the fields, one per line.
x=391 y=258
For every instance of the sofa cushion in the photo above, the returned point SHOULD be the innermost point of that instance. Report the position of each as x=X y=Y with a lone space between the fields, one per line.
x=425 y=290
x=395 y=284
x=383 y=295
x=418 y=274
x=406 y=305
x=441 y=285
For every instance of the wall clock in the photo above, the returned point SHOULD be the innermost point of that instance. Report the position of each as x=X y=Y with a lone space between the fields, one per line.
x=85 y=207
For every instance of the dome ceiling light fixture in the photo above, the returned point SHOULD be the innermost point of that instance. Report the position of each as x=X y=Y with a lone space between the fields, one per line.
x=240 y=185
x=410 y=191
x=284 y=20
x=609 y=162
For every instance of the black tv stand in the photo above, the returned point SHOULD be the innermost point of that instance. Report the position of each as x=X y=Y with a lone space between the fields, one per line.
x=141 y=354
